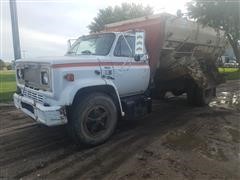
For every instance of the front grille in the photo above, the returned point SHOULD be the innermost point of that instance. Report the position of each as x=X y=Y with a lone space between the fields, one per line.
x=32 y=95
x=32 y=75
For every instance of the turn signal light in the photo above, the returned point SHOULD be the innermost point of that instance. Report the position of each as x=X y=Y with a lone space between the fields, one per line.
x=69 y=77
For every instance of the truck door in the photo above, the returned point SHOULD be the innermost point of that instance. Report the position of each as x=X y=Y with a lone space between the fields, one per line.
x=130 y=77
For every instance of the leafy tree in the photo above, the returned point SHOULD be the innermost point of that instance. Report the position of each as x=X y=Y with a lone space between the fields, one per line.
x=2 y=64
x=119 y=13
x=8 y=66
x=219 y=14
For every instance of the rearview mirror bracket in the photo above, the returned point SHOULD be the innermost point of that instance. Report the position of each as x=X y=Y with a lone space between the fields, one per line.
x=137 y=57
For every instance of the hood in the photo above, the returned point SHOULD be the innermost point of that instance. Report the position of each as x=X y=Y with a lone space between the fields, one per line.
x=60 y=59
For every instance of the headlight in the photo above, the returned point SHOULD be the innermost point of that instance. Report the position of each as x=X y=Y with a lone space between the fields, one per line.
x=44 y=78
x=20 y=73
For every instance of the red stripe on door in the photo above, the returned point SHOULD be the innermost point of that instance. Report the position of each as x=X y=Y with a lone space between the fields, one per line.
x=89 y=64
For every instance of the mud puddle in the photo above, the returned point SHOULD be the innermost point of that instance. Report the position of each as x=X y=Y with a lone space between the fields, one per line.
x=227 y=100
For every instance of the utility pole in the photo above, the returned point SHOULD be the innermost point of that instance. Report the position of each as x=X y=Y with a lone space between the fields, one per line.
x=24 y=52
x=15 y=32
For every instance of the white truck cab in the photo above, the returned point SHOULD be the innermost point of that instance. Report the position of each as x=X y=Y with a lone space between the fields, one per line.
x=100 y=77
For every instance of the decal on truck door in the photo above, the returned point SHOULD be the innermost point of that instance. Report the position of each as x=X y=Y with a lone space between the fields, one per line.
x=107 y=72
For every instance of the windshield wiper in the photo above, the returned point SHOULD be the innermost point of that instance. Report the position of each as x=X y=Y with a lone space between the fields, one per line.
x=86 y=52
x=71 y=52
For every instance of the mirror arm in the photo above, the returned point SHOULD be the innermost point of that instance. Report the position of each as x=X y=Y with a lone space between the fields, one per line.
x=137 y=57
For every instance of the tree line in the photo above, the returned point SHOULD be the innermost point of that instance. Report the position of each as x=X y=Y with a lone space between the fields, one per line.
x=5 y=65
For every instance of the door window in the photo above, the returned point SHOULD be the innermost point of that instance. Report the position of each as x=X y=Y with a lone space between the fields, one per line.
x=125 y=46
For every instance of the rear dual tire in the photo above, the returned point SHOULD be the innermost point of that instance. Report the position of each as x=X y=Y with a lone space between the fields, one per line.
x=200 y=96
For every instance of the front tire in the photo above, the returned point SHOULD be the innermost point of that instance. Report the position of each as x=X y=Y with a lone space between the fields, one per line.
x=92 y=119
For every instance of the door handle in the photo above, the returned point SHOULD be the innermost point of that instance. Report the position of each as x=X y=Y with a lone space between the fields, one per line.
x=97 y=72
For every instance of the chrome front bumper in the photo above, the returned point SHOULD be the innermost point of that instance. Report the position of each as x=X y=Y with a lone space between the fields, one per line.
x=48 y=115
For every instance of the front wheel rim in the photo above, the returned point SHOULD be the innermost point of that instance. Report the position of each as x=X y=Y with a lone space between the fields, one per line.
x=96 y=121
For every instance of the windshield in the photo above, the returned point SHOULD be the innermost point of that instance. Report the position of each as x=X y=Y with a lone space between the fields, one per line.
x=93 y=45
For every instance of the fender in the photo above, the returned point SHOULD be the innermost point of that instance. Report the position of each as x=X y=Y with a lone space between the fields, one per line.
x=68 y=94
x=110 y=83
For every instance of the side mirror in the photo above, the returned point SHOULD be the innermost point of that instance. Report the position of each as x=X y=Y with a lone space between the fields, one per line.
x=140 y=57
x=137 y=57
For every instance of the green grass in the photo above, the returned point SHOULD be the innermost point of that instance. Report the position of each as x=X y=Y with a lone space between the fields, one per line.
x=230 y=73
x=7 y=85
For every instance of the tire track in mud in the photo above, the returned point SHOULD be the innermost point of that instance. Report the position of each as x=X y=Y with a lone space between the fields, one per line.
x=13 y=149
x=84 y=160
x=33 y=139
x=70 y=156
x=14 y=156
x=36 y=151
x=34 y=157
x=11 y=117
x=25 y=133
x=38 y=161
x=81 y=164
x=14 y=129
x=110 y=160
x=23 y=149
x=19 y=121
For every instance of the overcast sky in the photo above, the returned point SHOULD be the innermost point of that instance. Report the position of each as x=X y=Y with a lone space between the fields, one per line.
x=46 y=25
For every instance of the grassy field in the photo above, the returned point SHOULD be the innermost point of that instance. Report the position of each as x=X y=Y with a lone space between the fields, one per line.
x=230 y=73
x=7 y=85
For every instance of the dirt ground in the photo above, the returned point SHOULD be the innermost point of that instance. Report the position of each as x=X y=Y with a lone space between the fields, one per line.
x=175 y=141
